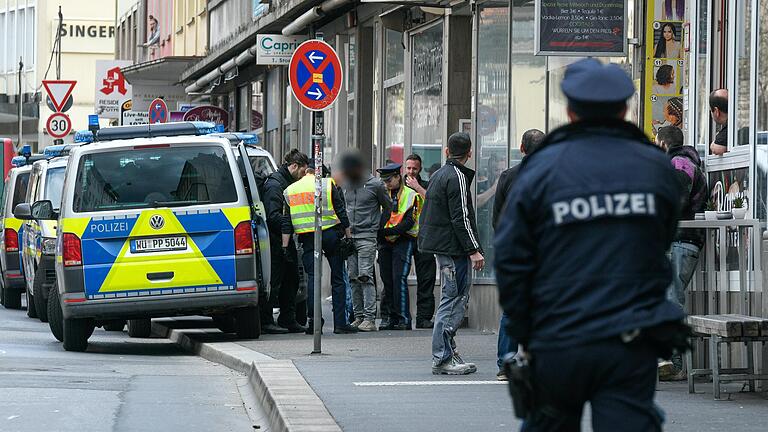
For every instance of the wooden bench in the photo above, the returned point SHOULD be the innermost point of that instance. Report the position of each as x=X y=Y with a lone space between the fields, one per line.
x=727 y=329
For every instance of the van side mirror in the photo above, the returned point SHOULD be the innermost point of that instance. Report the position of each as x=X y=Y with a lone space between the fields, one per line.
x=43 y=210
x=23 y=211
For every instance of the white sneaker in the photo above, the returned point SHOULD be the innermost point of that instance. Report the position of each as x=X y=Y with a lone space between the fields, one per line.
x=356 y=323
x=367 y=326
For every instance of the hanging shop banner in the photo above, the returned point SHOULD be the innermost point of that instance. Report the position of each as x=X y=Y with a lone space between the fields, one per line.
x=581 y=28
x=665 y=65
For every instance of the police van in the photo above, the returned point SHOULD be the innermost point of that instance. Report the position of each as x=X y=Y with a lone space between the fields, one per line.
x=38 y=241
x=155 y=221
x=14 y=192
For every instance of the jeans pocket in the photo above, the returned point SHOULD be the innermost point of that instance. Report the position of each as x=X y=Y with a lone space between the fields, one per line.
x=450 y=286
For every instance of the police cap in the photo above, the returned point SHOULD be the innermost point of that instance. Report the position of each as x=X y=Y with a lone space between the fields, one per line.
x=591 y=81
x=389 y=170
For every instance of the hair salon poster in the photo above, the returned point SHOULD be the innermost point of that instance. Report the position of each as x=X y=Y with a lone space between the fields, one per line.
x=665 y=53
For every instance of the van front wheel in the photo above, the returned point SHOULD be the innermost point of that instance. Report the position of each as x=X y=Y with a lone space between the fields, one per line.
x=248 y=323
x=76 y=333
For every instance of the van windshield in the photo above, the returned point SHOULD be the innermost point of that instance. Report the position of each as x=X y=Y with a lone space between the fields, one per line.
x=153 y=177
x=54 y=183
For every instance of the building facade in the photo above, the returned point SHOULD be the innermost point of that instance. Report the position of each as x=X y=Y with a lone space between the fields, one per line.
x=28 y=29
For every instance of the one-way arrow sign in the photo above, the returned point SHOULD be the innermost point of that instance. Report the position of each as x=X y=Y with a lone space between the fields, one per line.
x=316 y=93
x=314 y=57
x=59 y=91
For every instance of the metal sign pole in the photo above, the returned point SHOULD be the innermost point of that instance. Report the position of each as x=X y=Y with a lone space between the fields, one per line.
x=318 y=139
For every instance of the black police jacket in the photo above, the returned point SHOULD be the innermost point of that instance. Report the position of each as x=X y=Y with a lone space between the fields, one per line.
x=447 y=223
x=278 y=220
x=580 y=249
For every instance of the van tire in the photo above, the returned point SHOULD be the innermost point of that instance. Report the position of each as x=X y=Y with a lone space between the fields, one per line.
x=248 y=323
x=76 y=333
x=11 y=298
x=31 y=311
x=225 y=323
x=114 y=326
x=41 y=305
x=55 y=315
x=139 y=328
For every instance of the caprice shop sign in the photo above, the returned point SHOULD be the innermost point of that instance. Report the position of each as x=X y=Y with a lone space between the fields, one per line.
x=276 y=49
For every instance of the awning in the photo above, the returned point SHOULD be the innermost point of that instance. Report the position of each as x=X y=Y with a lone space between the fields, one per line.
x=166 y=69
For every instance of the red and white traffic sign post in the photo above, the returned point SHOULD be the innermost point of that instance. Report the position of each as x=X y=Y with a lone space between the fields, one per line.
x=58 y=125
x=158 y=112
x=315 y=76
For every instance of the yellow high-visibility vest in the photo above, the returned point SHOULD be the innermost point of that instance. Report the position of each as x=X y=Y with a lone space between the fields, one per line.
x=300 y=197
x=406 y=198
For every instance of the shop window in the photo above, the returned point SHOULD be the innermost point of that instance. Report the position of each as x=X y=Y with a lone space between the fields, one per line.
x=395 y=60
x=243 y=111
x=376 y=109
x=702 y=120
x=427 y=98
x=743 y=92
x=492 y=139
x=760 y=206
x=394 y=97
x=257 y=108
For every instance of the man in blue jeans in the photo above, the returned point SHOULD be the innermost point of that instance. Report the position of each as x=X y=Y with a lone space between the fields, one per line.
x=448 y=230
x=684 y=252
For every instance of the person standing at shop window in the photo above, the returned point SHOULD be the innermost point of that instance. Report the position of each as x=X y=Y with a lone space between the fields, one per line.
x=449 y=230
x=684 y=253
x=425 y=262
x=667 y=46
x=366 y=199
x=718 y=106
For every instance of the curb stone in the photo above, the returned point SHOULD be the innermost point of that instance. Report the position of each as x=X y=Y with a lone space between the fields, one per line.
x=287 y=398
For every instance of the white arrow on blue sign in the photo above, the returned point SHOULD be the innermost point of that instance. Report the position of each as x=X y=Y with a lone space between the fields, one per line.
x=314 y=57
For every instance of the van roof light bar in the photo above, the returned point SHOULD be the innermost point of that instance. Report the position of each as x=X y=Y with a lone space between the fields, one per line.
x=154 y=130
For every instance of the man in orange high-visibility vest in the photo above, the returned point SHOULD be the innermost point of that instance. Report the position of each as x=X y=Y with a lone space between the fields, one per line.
x=397 y=243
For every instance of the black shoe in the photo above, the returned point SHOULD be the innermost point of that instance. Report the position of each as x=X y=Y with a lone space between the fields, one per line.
x=273 y=329
x=385 y=324
x=293 y=327
x=345 y=329
x=311 y=327
x=401 y=327
x=424 y=324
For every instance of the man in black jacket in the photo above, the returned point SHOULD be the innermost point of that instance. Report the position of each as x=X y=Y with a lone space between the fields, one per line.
x=448 y=230
x=285 y=272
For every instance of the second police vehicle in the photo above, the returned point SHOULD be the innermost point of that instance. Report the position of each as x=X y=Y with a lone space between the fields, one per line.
x=155 y=220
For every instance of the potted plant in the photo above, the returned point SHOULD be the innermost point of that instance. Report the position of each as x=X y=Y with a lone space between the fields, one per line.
x=711 y=212
x=739 y=208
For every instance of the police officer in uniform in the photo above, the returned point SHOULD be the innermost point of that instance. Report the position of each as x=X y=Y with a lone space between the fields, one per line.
x=397 y=244
x=300 y=197
x=581 y=265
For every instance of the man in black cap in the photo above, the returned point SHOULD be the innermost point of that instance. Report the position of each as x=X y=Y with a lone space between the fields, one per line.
x=581 y=261
x=396 y=247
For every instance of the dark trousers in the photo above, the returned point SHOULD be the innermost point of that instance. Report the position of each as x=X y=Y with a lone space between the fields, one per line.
x=426 y=268
x=284 y=285
x=618 y=380
x=506 y=343
x=331 y=238
x=394 y=265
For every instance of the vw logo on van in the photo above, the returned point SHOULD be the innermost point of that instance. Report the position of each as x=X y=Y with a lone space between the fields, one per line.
x=156 y=222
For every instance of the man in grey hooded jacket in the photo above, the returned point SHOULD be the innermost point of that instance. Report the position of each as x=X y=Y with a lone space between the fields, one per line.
x=366 y=199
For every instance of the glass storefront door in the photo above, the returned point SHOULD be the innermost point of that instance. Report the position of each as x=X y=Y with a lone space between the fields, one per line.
x=427 y=95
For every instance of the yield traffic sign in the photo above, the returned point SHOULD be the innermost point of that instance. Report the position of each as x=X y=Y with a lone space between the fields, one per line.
x=158 y=112
x=59 y=91
x=58 y=125
x=315 y=75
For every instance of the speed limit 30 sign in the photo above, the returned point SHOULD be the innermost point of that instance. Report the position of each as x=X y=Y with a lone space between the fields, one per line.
x=58 y=125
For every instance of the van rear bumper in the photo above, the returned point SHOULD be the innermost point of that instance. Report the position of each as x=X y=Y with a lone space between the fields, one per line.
x=162 y=305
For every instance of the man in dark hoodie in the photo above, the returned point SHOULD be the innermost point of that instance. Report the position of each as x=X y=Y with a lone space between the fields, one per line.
x=684 y=253
x=285 y=272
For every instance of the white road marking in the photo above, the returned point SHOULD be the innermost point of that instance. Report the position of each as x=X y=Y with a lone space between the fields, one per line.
x=13 y=417
x=424 y=383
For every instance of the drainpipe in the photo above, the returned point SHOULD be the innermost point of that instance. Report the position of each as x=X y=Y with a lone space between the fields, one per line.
x=312 y=15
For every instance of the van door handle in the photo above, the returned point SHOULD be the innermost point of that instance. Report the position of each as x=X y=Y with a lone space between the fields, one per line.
x=160 y=276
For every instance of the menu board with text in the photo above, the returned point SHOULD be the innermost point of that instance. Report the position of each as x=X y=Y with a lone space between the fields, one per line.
x=581 y=27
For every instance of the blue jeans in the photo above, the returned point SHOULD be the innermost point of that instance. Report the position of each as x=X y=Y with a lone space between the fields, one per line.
x=506 y=343
x=331 y=238
x=456 y=278
x=684 y=257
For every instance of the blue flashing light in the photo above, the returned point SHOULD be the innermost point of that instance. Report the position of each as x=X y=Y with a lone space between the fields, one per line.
x=26 y=150
x=249 y=139
x=84 y=136
x=19 y=161
x=220 y=128
x=57 y=150
x=93 y=120
x=205 y=128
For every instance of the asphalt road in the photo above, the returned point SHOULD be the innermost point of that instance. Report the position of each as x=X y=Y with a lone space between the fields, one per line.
x=119 y=384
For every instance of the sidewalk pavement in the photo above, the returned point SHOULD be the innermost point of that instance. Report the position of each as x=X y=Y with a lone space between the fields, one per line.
x=382 y=381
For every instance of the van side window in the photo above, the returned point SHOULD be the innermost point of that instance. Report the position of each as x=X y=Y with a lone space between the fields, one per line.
x=20 y=190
